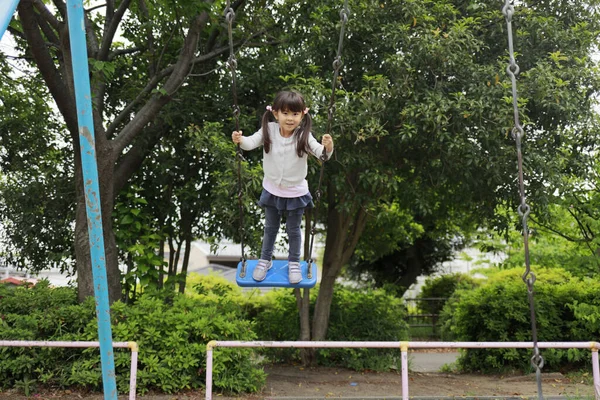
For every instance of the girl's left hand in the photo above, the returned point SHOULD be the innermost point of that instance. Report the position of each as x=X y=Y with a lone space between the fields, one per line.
x=327 y=141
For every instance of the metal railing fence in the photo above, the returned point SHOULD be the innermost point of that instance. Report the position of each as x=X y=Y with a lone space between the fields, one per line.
x=130 y=345
x=404 y=346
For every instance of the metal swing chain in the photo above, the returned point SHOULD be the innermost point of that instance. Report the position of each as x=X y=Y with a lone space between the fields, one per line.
x=232 y=63
x=537 y=361
x=337 y=64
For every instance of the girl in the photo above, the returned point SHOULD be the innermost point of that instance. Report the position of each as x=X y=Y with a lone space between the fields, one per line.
x=286 y=144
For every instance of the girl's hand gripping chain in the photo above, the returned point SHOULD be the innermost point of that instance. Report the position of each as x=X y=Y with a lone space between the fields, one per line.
x=327 y=141
x=236 y=136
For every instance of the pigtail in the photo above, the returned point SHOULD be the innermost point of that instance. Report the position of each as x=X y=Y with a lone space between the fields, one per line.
x=303 y=134
x=265 y=131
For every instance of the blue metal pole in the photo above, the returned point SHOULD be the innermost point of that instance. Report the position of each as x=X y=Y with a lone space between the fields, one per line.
x=6 y=12
x=92 y=191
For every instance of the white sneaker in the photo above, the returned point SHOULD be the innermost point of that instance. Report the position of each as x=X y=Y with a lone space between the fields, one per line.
x=260 y=271
x=294 y=272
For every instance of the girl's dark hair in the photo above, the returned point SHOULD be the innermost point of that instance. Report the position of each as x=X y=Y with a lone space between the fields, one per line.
x=294 y=102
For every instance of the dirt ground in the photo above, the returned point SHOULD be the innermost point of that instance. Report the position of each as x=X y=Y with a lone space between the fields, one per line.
x=335 y=382
x=289 y=382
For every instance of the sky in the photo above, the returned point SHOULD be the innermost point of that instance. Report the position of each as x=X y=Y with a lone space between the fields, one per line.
x=7 y=45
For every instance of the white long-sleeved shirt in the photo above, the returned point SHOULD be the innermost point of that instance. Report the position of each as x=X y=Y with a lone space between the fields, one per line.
x=281 y=165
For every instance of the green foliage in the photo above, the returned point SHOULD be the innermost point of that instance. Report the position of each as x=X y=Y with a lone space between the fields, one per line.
x=354 y=314
x=381 y=235
x=40 y=313
x=561 y=237
x=173 y=337
x=221 y=185
x=445 y=62
x=36 y=190
x=268 y=312
x=138 y=237
x=443 y=287
x=171 y=330
x=422 y=121
x=104 y=68
x=566 y=310
x=26 y=386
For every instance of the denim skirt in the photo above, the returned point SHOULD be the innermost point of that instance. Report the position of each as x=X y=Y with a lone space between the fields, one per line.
x=293 y=205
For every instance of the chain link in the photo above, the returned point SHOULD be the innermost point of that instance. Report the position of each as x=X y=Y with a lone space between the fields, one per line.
x=537 y=361
x=337 y=65
x=232 y=64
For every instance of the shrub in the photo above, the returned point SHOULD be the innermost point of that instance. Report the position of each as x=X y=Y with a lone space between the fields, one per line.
x=567 y=309
x=443 y=287
x=40 y=313
x=355 y=315
x=171 y=330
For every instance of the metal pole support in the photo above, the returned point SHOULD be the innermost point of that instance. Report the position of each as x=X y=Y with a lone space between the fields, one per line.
x=87 y=142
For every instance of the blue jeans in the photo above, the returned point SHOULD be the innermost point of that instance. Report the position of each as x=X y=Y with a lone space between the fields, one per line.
x=292 y=225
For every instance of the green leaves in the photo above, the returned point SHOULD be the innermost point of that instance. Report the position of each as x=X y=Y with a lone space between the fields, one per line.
x=353 y=314
x=171 y=331
x=138 y=237
x=566 y=310
x=35 y=184
x=104 y=68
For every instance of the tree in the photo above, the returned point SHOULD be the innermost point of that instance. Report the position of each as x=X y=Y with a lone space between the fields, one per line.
x=132 y=81
x=425 y=118
x=35 y=217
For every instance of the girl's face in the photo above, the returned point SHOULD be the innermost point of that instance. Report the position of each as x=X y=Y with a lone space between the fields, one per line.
x=288 y=121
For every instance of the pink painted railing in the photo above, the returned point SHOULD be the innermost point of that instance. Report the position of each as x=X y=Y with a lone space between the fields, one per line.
x=404 y=346
x=130 y=345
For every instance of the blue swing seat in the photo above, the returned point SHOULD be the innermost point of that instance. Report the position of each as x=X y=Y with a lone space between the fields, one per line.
x=277 y=276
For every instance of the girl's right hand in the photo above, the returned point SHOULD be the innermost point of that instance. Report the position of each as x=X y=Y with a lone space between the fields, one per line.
x=236 y=136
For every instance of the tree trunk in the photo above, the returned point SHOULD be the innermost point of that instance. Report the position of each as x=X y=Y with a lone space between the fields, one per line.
x=323 y=305
x=39 y=29
x=307 y=355
x=186 y=262
x=343 y=232
x=331 y=268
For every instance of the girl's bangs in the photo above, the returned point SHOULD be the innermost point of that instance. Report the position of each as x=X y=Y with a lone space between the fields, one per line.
x=289 y=102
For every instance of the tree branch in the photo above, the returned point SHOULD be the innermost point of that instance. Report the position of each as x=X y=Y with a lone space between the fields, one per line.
x=162 y=52
x=110 y=12
x=116 y=53
x=46 y=14
x=48 y=31
x=152 y=85
x=110 y=27
x=559 y=233
x=51 y=75
x=177 y=77
x=360 y=221
x=61 y=7
x=15 y=32
x=149 y=37
x=133 y=159
x=96 y=7
x=91 y=38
